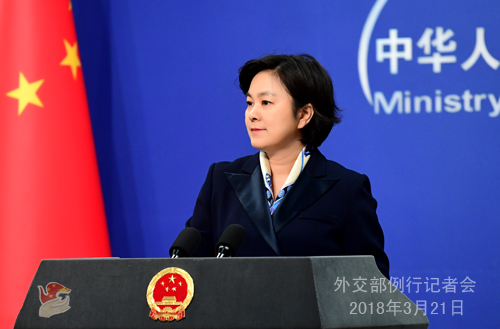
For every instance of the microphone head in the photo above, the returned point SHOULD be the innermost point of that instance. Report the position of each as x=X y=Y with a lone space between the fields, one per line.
x=233 y=238
x=186 y=243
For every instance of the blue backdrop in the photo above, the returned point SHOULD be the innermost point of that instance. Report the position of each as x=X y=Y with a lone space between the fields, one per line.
x=419 y=85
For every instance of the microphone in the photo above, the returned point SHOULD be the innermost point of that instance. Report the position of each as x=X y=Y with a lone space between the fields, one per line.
x=186 y=243
x=231 y=240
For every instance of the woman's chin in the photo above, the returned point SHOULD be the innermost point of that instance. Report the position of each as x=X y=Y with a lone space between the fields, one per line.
x=257 y=145
x=260 y=148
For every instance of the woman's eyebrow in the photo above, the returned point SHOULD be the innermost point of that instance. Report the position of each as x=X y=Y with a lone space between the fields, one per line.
x=263 y=93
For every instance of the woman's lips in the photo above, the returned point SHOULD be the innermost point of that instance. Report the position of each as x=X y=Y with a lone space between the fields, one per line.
x=255 y=130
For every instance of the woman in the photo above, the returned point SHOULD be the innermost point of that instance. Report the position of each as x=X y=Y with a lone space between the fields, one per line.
x=289 y=197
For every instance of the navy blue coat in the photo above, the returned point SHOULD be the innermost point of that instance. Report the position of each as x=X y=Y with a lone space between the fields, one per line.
x=328 y=211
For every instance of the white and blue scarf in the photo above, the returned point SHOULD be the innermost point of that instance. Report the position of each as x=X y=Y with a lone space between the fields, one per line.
x=297 y=168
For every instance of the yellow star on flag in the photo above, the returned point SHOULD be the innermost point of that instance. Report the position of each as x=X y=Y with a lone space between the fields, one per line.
x=71 y=58
x=26 y=93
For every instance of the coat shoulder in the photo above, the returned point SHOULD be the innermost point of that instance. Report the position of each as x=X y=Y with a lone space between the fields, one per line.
x=336 y=169
x=240 y=165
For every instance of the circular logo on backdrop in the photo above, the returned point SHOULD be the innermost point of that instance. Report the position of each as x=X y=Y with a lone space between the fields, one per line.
x=446 y=61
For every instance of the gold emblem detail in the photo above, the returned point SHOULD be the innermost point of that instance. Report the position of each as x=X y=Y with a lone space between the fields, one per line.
x=169 y=294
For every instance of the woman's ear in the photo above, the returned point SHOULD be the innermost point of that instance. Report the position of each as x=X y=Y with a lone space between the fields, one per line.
x=304 y=115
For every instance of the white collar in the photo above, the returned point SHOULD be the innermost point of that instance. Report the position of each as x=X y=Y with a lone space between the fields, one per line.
x=297 y=168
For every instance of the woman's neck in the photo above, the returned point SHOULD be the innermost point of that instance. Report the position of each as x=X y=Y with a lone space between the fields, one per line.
x=281 y=163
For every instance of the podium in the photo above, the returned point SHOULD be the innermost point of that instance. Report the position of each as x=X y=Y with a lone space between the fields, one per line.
x=301 y=292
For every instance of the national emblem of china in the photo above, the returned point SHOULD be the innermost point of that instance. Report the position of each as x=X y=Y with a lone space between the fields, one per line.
x=169 y=294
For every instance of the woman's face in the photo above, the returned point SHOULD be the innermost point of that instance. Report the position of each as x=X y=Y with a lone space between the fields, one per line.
x=269 y=115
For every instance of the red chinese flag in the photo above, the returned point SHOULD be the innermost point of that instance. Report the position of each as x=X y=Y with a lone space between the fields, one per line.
x=50 y=196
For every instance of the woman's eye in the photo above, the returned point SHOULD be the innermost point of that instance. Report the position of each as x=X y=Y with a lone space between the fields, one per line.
x=266 y=102
x=249 y=103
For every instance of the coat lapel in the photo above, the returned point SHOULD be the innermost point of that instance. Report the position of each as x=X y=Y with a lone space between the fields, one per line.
x=249 y=188
x=309 y=187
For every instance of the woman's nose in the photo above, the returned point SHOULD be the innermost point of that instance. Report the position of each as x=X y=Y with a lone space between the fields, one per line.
x=252 y=113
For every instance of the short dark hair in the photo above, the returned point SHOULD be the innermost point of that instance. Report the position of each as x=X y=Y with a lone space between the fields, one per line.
x=307 y=82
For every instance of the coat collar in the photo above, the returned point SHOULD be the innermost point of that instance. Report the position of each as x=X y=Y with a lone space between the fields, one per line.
x=249 y=187
x=312 y=183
